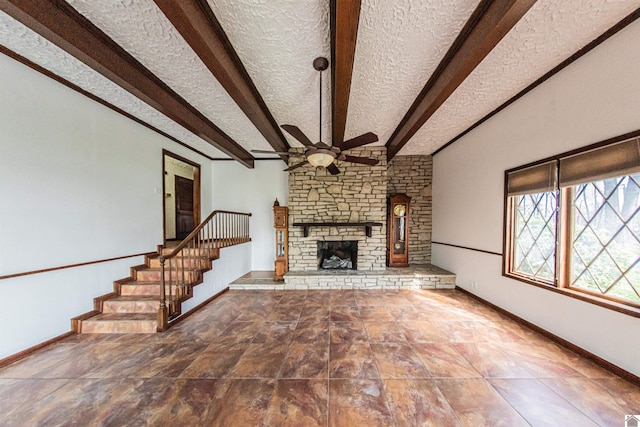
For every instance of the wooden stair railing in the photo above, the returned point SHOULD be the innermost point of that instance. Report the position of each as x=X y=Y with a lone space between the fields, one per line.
x=221 y=229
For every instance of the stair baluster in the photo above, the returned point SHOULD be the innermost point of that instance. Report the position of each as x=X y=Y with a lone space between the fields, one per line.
x=184 y=265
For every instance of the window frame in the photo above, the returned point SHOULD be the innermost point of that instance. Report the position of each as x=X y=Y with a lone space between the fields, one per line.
x=509 y=252
x=564 y=214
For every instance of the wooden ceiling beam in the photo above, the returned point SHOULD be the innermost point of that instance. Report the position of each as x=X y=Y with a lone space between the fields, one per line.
x=197 y=24
x=62 y=25
x=345 y=16
x=488 y=24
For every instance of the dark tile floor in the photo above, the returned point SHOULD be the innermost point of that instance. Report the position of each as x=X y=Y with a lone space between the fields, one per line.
x=338 y=358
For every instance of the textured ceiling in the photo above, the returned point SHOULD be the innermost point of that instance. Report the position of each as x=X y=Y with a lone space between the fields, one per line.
x=20 y=39
x=400 y=43
x=141 y=28
x=277 y=42
x=547 y=35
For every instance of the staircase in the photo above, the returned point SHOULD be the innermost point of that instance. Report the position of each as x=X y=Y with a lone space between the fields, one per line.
x=135 y=305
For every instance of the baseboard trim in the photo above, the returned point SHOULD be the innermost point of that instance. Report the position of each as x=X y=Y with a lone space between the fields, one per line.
x=632 y=378
x=27 y=352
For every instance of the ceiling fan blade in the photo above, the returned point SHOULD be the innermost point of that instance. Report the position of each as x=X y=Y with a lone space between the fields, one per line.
x=364 y=139
x=281 y=153
x=322 y=145
x=295 y=132
x=296 y=166
x=333 y=169
x=355 y=159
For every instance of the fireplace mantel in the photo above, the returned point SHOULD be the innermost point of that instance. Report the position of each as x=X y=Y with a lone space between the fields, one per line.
x=306 y=225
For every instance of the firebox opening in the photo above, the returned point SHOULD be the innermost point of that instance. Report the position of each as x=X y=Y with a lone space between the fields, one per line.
x=338 y=255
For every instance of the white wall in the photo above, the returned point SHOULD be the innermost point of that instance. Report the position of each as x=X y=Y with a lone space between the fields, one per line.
x=239 y=189
x=78 y=182
x=234 y=262
x=595 y=98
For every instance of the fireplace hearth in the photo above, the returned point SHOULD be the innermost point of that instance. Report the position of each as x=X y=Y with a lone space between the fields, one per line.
x=338 y=255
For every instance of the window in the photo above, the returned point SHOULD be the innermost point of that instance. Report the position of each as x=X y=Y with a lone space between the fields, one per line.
x=605 y=241
x=573 y=223
x=535 y=235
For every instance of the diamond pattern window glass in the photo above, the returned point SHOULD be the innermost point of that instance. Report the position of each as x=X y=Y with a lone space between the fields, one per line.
x=535 y=236
x=606 y=238
x=572 y=223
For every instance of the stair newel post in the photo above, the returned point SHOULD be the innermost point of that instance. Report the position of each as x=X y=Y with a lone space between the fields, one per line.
x=173 y=284
x=170 y=304
x=163 y=315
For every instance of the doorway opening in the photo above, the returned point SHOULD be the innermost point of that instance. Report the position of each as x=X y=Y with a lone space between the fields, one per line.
x=181 y=189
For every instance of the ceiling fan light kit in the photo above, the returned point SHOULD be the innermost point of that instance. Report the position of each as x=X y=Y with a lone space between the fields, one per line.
x=321 y=158
x=321 y=154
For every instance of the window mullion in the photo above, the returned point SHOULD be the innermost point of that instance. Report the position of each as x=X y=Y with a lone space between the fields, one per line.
x=565 y=232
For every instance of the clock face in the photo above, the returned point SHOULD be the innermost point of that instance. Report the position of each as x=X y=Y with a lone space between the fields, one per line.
x=399 y=210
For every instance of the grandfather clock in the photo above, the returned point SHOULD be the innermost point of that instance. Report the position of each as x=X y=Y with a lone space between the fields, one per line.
x=281 y=224
x=398 y=231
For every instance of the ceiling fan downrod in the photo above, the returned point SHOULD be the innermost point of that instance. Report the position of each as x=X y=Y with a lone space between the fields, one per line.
x=320 y=63
x=321 y=154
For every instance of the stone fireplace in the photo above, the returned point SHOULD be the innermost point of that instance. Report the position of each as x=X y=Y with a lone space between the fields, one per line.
x=338 y=255
x=352 y=208
x=358 y=194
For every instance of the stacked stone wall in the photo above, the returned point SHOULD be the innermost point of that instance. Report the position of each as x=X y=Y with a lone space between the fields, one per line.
x=412 y=175
x=357 y=194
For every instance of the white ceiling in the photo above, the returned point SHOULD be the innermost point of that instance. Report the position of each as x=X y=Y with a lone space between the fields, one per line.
x=548 y=34
x=400 y=43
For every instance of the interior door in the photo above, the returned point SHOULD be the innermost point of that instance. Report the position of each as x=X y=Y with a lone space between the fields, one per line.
x=184 y=207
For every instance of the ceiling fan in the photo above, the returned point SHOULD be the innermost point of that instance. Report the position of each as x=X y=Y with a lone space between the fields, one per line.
x=321 y=154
